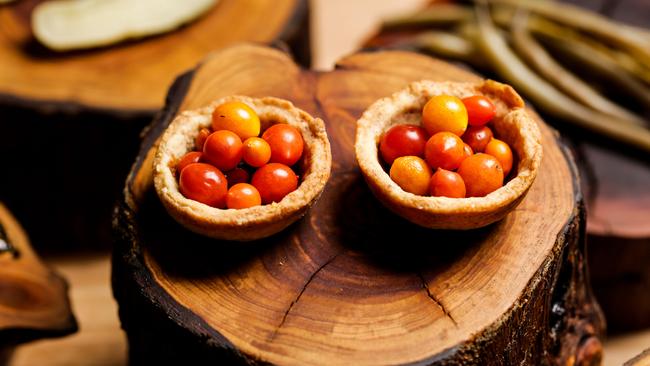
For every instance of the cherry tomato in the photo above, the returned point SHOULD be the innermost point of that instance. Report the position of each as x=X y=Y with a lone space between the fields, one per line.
x=477 y=137
x=444 y=150
x=204 y=183
x=412 y=174
x=200 y=139
x=274 y=181
x=257 y=152
x=468 y=151
x=236 y=117
x=479 y=110
x=447 y=184
x=237 y=175
x=482 y=174
x=402 y=140
x=187 y=159
x=286 y=143
x=444 y=113
x=243 y=195
x=223 y=149
x=501 y=151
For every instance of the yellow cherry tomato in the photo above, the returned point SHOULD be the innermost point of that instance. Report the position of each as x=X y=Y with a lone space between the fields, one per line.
x=236 y=117
x=412 y=174
x=444 y=113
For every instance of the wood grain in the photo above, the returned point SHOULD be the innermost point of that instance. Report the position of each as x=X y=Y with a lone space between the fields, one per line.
x=33 y=299
x=351 y=283
x=132 y=77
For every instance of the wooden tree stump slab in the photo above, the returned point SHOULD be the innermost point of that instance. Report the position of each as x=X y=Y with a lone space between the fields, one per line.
x=351 y=283
x=132 y=77
x=33 y=299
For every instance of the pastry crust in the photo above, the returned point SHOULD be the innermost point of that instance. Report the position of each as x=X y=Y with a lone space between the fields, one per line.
x=512 y=124
x=250 y=223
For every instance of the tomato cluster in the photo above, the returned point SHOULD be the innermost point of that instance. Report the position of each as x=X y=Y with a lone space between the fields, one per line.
x=453 y=154
x=234 y=168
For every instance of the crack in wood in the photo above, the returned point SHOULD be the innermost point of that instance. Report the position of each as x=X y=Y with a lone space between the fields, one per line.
x=302 y=291
x=433 y=298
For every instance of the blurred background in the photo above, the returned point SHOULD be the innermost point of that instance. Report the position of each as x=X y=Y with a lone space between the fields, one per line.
x=62 y=173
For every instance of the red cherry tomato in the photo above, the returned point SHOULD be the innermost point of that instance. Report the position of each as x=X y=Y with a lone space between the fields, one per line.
x=479 y=110
x=223 y=149
x=468 y=151
x=200 y=139
x=204 y=183
x=286 y=143
x=257 y=152
x=274 y=181
x=447 y=184
x=477 y=137
x=187 y=159
x=482 y=174
x=402 y=140
x=444 y=150
x=237 y=175
x=243 y=195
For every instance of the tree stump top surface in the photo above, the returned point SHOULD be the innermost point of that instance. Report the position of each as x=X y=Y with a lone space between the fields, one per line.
x=130 y=77
x=351 y=283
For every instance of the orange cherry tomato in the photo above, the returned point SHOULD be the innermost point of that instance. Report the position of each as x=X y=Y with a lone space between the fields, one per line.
x=223 y=149
x=237 y=175
x=187 y=159
x=477 y=137
x=412 y=174
x=274 y=181
x=482 y=174
x=200 y=139
x=286 y=143
x=468 y=151
x=402 y=140
x=236 y=117
x=479 y=110
x=444 y=113
x=502 y=152
x=257 y=152
x=243 y=195
x=445 y=183
x=444 y=150
x=204 y=183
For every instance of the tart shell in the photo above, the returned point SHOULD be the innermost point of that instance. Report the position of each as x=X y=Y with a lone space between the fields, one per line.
x=254 y=222
x=512 y=124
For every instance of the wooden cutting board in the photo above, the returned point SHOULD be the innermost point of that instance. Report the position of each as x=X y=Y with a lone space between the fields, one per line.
x=132 y=77
x=351 y=283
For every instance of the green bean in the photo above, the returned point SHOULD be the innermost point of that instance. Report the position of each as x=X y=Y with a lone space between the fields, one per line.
x=437 y=15
x=617 y=34
x=544 y=95
x=598 y=63
x=446 y=44
x=562 y=78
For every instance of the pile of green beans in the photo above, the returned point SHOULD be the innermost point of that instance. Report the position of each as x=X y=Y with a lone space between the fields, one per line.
x=537 y=46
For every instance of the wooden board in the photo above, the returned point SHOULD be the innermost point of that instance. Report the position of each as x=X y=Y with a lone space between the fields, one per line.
x=132 y=77
x=33 y=299
x=351 y=283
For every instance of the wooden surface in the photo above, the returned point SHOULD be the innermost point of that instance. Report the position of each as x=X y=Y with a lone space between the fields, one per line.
x=33 y=299
x=131 y=77
x=334 y=289
x=643 y=359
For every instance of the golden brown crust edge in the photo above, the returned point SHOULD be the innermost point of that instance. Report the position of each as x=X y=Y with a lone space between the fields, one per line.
x=255 y=222
x=512 y=123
